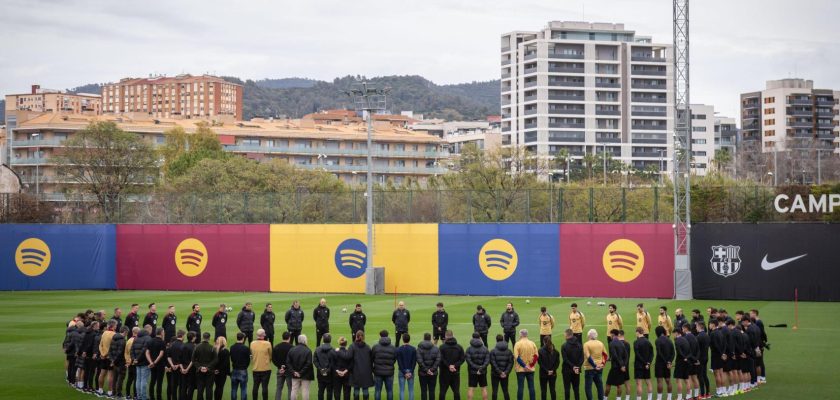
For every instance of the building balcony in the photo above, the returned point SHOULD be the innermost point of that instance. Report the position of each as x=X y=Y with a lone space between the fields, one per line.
x=505 y=62
x=566 y=125
x=649 y=113
x=530 y=112
x=649 y=141
x=648 y=72
x=800 y=112
x=505 y=49
x=607 y=85
x=824 y=112
x=648 y=58
x=506 y=102
x=505 y=75
x=530 y=56
x=649 y=127
x=607 y=112
x=572 y=56
x=646 y=154
x=823 y=102
x=529 y=71
x=31 y=161
x=648 y=100
x=335 y=151
x=505 y=129
x=801 y=124
x=825 y=125
x=38 y=143
x=826 y=136
x=566 y=70
x=565 y=97
x=565 y=84
x=531 y=125
x=529 y=98
x=379 y=169
x=566 y=111
x=607 y=140
x=647 y=86
x=531 y=84
x=806 y=102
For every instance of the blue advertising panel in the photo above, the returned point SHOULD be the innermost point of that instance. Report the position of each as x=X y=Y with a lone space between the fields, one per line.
x=499 y=259
x=47 y=257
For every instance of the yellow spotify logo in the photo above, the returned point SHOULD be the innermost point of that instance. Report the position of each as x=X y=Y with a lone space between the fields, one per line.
x=498 y=259
x=191 y=257
x=32 y=257
x=623 y=260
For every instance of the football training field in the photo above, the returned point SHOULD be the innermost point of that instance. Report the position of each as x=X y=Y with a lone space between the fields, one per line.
x=801 y=365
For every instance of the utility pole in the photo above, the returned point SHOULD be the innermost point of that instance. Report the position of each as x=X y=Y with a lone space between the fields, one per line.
x=682 y=145
x=775 y=167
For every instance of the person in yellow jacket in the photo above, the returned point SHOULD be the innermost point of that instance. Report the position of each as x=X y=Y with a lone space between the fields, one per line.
x=614 y=320
x=594 y=359
x=643 y=319
x=525 y=357
x=664 y=320
x=577 y=322
x=546 y=324
x=106 y=377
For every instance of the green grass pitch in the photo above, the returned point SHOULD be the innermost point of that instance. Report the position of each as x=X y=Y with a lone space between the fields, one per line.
x=800 y=364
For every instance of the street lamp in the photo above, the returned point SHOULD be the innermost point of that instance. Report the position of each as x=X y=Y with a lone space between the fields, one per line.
x=368 y=99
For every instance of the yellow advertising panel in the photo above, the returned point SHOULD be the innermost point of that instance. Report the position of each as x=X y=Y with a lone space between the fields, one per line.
x=332 y=258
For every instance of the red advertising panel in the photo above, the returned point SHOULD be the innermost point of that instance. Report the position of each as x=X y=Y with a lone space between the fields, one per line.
x=616 y=260
x=193 y=257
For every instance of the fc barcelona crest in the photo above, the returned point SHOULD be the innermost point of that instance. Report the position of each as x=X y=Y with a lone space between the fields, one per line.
x=725 y=260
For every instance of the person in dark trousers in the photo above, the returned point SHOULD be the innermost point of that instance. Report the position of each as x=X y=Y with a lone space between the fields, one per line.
x=324 y=368
x=294 y=321
x=406 y=362
x=222 y=370
x=428 y=361
x=151 y=317
x=278 y=357
x=478 y=359
x=155 y=354
x=383 y=355
x=400 y=317
x=629 y=348
x=693 y=368
x=501 y=363
x=642 y=363
x=73 y=340
x=95 y=369
x=361 y=378
x=357 y=321
x=141 y=360
x=169 y=324
x=754 y=334
x=116 y=355
x=299 y=364
x=664 y=361
x=763 y=345
x=131 y=364
x=245 y=322
x=173 y=361
x=481 y=323
x=204 y=361
x=618 y=357
x=549 y=362
x=188 y=381
x=321 y=316
x=717 y=346
x=132 y=320
x=440 y=322
x=703 y=342
x=240 y=358
x=696 y=316
x=341 y=362
x=267 y=322
x=194 y=322
x=451 y=357
x=683 y=363
x=261 y=355
x=572 y=354
x=219 y=322
x=509 y=322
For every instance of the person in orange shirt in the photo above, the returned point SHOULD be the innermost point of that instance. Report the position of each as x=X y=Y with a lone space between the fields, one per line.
x=594 y=360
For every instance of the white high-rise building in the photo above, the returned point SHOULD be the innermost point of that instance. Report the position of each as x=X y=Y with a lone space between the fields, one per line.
x=586 y=86
x=702 y=138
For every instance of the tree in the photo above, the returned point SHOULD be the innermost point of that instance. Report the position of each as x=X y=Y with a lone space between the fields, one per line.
x=108 y=162
x=181 y=151
x=722 y=159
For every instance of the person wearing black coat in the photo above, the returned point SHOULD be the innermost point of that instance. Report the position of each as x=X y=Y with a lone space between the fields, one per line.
x=383 y=355
x=279 y=355
x=428 y=361
x=173 y=360
x=170 y=321
x=693 y=368
x=294 y=321
x=549 y=360
x=188 y=370
x=245 y=322
x=704 y=342
x=267 y=323
x=618 y=356
x=509 y=322
x=321 y=316
x=685 y=359
x=481 y=323
x=440 y=322
x=222 y=371
x=572 y=354
x=116 y=354
x=501 y=363
x=664 y=360
x=643 y=362
x=299 y=364
x=478 y=358
x=73 y=341
x=219 y=322
x=401 y=317
x=194 y=322
x=341 y=362
x=361 y=378
x=357 y=320
x=451 y=357
x=323 y=368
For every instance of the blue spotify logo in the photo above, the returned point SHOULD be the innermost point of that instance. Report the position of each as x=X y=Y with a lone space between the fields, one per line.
x=351 y=258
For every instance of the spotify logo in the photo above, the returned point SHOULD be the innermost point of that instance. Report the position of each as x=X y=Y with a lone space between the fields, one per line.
x=191 y=257
x=351 y=258
x=623 y=260
x=32 y=257
x=498 y=259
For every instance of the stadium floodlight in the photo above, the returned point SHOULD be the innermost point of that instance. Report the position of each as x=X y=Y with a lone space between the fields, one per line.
x=368 y=99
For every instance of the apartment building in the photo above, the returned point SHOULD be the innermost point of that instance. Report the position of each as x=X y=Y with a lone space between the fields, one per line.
x=702 y=138
x=588 y=88
x=791 y=114
x=341 y=149
x=184 y=95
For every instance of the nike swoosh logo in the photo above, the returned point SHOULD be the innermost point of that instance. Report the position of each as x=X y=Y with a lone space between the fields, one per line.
x=767 y=265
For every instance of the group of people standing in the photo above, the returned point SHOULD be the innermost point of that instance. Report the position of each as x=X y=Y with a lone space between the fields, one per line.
x=106 y=355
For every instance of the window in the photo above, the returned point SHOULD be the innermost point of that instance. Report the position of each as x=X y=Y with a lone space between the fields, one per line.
x=249 y=142
x=769 y=111
x=698 y=129
x=770 y=132
x=698 y=141
x=769 y=100
x=771 y=121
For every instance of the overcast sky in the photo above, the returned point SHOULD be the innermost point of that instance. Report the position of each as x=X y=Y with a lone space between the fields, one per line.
x=736 y=45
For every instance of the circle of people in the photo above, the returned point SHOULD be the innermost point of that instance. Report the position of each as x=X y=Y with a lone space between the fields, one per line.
x=105 y=355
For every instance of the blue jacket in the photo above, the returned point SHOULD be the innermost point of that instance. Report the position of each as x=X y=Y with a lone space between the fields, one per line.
x=406 y=358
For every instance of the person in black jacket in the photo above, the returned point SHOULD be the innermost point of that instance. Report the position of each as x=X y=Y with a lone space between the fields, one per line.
x=509 y=322
x=132 y=320
x=428 y=361
x=383 y=356
x=451 y=357
x=294 y=321
x=279 y=355
x=685 y=359
x=693 y=368
x=501 y=363
x=618 y=356
x=219 y=321
x=204 y=362
x=267 y=323
x=643 y=362
x=194 y=322
x=173 y=361
x=549 y=360
x=664 y=360
x=357 y=320
x=628 y=347
x=401 y=317
x=478 y=358
x=572 y=354
x=151 y=318
x=733 y=347
x=73 y=340
x=116 y=354
x=240 y=358
x=323 y=368
x=717 y=345
x=321 y=316
x=754 y=334
x=440 y=322
x=341 y=361
x=704 y=342
x=222 y=370
x=188 y=381
x=299 y=365
x=169 y=324
x=245 y=322
x=481 y=323
x=763 y=344
x=361 y=378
